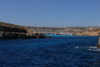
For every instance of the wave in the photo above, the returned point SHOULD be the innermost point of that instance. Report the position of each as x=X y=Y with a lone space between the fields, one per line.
x=76 y=47
x=93 y=48
x=90 y=48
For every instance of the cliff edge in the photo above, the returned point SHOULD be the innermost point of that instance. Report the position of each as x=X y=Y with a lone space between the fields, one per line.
x=11 y=31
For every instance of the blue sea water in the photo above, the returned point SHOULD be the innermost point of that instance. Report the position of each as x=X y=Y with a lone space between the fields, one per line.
x=58 y=51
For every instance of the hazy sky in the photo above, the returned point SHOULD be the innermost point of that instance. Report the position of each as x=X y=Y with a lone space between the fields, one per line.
x=51 y=12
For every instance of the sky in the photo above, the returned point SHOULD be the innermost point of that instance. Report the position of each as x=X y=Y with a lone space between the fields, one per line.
x=51 y=13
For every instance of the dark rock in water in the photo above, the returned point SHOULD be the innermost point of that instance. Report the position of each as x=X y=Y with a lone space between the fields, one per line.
x=98 y=44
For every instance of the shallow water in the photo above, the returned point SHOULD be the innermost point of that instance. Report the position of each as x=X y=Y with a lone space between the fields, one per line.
x=58 y=51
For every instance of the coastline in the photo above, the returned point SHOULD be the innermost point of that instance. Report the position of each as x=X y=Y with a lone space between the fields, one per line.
x=12 y=31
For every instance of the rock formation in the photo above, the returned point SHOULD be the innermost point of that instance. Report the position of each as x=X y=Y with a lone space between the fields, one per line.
x=11 y=31
x=98 y=44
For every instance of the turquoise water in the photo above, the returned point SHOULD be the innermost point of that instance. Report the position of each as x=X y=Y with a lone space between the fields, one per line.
x=58 y=51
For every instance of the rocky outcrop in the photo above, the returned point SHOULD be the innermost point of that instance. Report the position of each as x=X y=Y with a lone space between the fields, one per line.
x=10 y=35
x=11 y=31
x=98 y=44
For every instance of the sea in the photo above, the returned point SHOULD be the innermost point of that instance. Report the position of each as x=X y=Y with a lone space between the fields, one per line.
x=57 y=51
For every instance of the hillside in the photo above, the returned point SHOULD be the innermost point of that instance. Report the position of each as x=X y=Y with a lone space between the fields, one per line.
x=88 y=31
x=7 y=27
x=10 y=31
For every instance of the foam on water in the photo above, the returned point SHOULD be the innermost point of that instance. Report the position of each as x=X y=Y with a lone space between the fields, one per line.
x=90 y=48
x=77 y=47
x=93 y=48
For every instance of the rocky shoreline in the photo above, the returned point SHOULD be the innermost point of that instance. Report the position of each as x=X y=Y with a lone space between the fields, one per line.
x=13 y=35
x=11 y=31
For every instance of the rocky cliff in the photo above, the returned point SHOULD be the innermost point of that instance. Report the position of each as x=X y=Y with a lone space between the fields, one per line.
x=11 y=31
